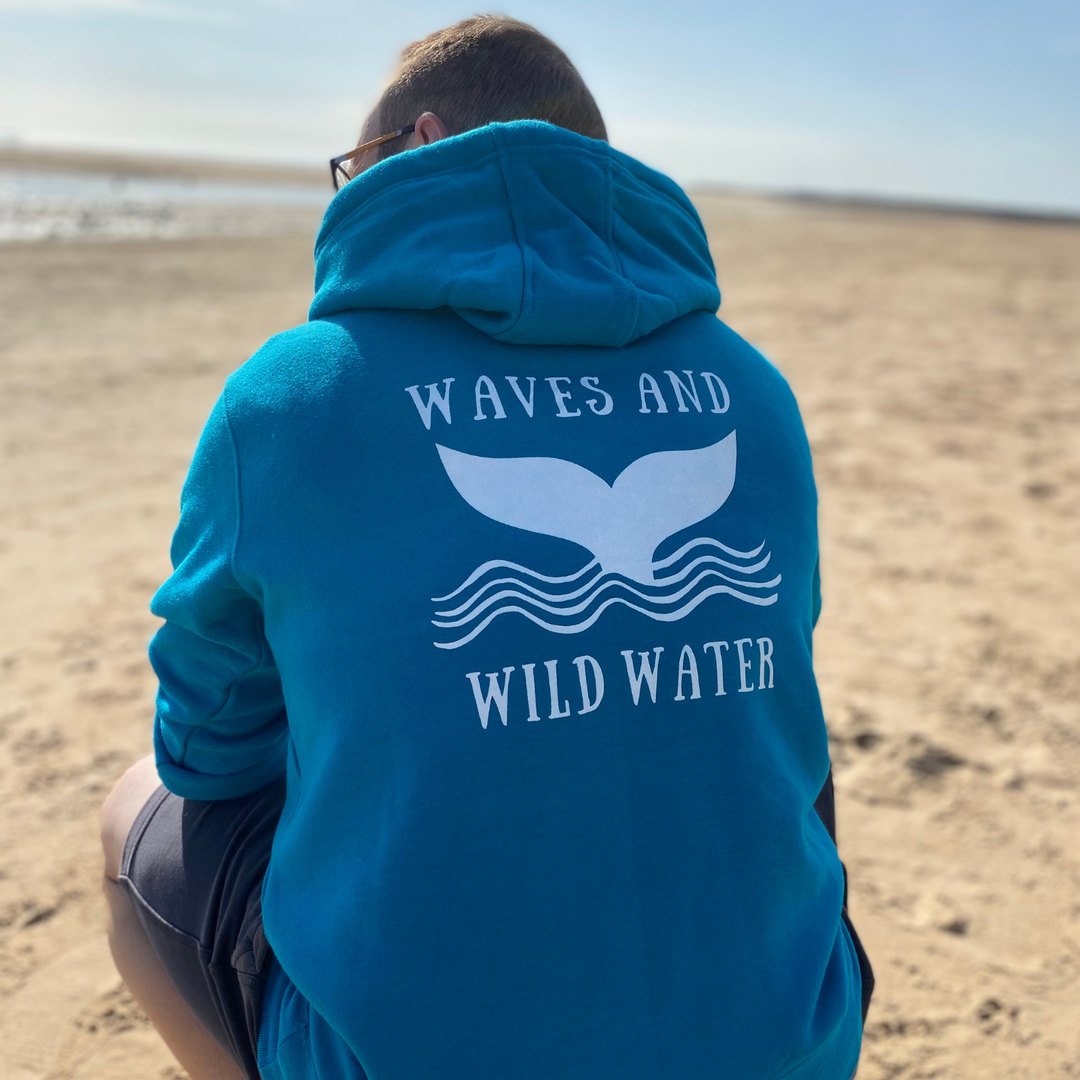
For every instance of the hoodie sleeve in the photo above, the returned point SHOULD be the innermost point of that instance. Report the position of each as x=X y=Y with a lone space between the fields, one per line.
x=220 y=731
x=815 y=595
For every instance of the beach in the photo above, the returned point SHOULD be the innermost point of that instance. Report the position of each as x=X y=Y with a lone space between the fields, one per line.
x=936 y=359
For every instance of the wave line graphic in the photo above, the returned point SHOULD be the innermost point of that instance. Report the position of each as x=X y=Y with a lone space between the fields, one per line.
x=555 y=597
x=707 y=541
x=590 y=591
x=502 y=564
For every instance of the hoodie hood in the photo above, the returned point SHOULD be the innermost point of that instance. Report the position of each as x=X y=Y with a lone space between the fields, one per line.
x=531 y=233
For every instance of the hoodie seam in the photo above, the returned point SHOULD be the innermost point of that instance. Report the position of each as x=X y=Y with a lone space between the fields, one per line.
x=518 y=228
x=235 y=543
x=609 y=219
x=665 y=195
x=609 y=235
x=686 y=210
x=257 y=663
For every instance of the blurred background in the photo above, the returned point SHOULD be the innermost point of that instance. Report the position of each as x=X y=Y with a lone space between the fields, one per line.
x=946 y=102
x=892 y=198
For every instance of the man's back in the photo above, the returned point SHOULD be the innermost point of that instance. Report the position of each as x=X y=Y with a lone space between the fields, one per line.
x=509 y=557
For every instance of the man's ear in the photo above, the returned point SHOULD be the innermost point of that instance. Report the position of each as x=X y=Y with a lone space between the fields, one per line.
x=429 y=129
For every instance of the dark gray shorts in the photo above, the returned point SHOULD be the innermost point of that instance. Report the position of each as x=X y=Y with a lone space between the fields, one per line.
x=194 y=872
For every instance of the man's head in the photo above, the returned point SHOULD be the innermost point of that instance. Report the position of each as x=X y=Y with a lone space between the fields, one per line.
x=484 y=70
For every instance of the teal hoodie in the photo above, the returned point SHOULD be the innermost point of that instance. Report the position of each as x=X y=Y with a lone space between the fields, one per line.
x=507 y=561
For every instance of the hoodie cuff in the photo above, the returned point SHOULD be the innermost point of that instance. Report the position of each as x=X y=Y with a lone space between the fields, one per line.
x=209 y=787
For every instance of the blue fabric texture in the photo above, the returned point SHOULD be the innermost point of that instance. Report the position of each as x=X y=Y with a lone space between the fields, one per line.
x=507 y=560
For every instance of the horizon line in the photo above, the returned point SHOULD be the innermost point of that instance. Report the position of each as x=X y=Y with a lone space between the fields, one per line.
x=199 y=166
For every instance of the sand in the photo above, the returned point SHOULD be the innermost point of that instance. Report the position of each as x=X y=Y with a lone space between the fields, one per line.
x=936 y=361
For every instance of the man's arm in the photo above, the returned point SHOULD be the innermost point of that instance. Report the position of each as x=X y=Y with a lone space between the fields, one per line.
x=220 y=730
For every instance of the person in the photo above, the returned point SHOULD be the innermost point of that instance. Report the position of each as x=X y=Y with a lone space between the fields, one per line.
x=487 y=741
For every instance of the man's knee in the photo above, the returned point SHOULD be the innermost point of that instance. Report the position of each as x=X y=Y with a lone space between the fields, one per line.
x=120 y=809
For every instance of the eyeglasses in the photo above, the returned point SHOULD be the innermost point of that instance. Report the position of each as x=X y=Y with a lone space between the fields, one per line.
x=340 y=175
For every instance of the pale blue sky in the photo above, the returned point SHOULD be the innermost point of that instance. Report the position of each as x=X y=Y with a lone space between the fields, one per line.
x=941 y=99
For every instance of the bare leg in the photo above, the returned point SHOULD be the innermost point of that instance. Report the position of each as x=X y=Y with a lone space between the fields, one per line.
x=201 y=1055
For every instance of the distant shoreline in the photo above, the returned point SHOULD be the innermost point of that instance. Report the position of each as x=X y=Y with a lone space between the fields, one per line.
x=218 y=171
x=137 y=165
x=46 y=199
x=885 y=203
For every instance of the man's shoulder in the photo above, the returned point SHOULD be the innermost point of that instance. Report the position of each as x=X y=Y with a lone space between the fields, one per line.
x=702 y=332
x=294 y=370
x=295 y=356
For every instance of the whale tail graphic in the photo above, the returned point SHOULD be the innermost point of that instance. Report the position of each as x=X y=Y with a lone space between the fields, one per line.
x=622 y=524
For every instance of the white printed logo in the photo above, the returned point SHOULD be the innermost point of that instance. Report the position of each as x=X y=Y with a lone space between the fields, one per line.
x=622 y=525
